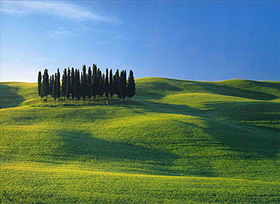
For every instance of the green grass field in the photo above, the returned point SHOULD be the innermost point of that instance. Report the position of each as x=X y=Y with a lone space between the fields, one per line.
x=175 y=141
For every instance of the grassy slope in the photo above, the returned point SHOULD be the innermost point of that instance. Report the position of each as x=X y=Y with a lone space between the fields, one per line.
x=209 y=141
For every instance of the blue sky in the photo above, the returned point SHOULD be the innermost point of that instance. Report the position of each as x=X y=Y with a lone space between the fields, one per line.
x=192 y=40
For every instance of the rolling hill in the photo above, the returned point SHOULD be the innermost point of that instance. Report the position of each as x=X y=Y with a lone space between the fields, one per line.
x=175 y=141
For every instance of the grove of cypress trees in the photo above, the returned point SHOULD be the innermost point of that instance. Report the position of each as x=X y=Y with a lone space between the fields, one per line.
x=130 y=85
x=85 y=84
x=39 y=83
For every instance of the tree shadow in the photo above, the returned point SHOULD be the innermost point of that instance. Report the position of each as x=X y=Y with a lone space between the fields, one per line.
x=9 y=97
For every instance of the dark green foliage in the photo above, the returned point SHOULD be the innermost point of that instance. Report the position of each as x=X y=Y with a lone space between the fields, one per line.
x=40 y=83
x=72 y=83
x=111 y=85
x=106 y=84
x=64 y=83
x=45 y=84
x=116 y=83
x=89 y=84
x=58 y=83
x=94 y=88
x=68 y=84
x=84 y=83
x=55 y=86
x=131 y=85
x=51 y=85
x=99 y=83
x=76 y=84
x=122 y=85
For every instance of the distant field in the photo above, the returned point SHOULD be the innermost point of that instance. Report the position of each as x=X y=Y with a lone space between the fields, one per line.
x=175 y=141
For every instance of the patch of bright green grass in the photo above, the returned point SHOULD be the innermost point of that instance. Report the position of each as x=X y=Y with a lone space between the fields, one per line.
x=174 y=142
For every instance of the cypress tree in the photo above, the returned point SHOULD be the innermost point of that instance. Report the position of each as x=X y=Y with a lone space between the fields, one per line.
x=72 y=83
x=103 y=85
x=68 y=84
x=78 y=91
x=99 y=83
x=111 y=85
x=106 y=84
x=45 y=84
x=54 y=86
x=89 y=83
x=39 y=83
x=64 y=83
x=84 y=83
x=58 y=83
x=131 y=85
x=94 y=81
x=116 y=83
x=122 y=85
x=51 y=84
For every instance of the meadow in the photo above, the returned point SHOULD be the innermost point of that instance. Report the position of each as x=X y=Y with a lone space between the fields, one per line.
x=175 y=141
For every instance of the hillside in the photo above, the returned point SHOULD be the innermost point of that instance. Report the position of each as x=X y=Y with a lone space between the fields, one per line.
x=175 y=141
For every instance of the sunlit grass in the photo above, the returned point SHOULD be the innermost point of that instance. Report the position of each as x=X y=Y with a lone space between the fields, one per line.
x=175 y=141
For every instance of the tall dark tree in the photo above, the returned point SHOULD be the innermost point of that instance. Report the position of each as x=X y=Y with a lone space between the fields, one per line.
x=84 y=83
x=116 y=83
x=58 y=83
x=99 y=83
x=106 y=83
x=78 y=91
x=51 y=84
x=94 y=81
x=89 y=83
x=40 y=83
x=68 y=84
x=130 y=85
x=111 y=85
x=64 y=83
x=54 y=80
x=122 y=85
x=45 y=84
x=72 y=83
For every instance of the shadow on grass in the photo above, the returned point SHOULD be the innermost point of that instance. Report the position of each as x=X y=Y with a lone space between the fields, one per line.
x=80 y=144
x=238 y=92
x=254 y=142
x=9 y=97
x=262 y=114
x=251 y=143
